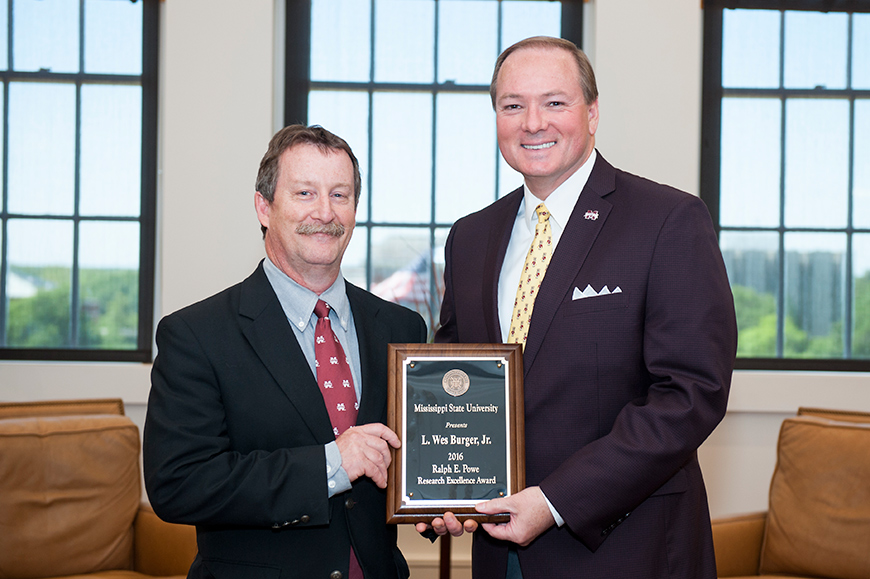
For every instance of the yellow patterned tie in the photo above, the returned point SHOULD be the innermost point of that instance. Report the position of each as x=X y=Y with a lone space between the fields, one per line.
x=534 y=269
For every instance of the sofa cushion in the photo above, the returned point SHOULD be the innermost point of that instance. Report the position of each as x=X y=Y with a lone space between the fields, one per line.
x=69 y=492
x=819 y=513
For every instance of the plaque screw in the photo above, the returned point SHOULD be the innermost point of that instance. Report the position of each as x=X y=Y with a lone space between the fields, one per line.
x=501 y=493
x=411 y=364
x=411 y=494
x=498 y=364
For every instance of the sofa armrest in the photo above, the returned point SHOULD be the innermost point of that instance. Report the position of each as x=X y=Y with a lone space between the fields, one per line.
x=161 y=548
x=737 y=542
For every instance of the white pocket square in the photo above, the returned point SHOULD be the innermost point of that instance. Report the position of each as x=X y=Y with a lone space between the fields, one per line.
x=591 y=293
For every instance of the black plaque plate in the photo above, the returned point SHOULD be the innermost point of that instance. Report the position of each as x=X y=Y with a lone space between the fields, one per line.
x=458 y=409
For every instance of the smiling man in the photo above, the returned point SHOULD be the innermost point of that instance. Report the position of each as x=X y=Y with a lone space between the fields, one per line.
x=265 y=419
x=616 y=288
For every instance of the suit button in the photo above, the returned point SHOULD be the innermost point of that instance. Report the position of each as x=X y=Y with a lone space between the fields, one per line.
x=349 y=503
x=335 y=575
x=304 y=519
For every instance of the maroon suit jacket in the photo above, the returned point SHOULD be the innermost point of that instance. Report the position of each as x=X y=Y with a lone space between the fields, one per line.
x=620 y=389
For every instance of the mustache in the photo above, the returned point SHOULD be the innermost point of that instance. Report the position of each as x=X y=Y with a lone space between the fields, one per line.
x=333 y=229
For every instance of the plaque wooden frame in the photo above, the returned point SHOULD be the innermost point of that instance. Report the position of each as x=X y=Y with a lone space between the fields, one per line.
x=399 y=507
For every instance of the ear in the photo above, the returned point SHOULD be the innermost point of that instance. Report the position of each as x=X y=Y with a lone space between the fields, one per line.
x=593 y=117
x=263 y=208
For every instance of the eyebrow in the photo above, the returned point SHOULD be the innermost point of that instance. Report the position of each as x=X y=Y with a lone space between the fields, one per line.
x=306 y=184
x=552 y=93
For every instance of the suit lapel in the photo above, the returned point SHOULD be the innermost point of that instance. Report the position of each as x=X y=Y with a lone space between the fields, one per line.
x=372 y=335
x=574 y=246
x=267 y=330
x=504 y=218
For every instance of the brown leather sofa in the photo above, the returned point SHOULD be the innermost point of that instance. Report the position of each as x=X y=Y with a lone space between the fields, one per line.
x=818 y=518
x=70 y=497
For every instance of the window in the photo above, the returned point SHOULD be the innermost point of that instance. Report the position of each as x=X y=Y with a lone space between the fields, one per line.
x=784 y=171
x=407 y=85
x=78 y=154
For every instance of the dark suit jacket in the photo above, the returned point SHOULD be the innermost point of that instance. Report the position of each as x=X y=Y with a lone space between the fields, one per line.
x=620 y=389
x=235 y=431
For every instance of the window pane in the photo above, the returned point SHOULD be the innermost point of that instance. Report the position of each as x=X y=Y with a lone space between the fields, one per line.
x=815 y=49
x=340 y=40
x=38 y=283
x=750 y=48
x=402 y=268
x=46 y=35
x=346 y=113
x=861 y=168
x=404 y=41
x=467 y=41
x=109 y=281
x=861 y=295
x=2 y=197
x=861 y=51
x=353 y=264
x=465 y=164
x=4 y=35
x=750 y=158
x=817 y=162
x=402 y=157
x=111 y=150
x=113 y=37
x=752 y=261
x=530 y=18
x=814 y=284
x=42 y=131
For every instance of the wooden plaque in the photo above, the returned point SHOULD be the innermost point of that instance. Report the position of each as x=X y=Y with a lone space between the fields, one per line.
x=458 y=410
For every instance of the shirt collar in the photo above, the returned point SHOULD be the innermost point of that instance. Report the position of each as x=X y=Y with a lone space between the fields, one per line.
x=560 y=203
x=298 y=301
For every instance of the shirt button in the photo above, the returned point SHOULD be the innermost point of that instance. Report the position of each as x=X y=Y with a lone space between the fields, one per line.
x=328 y=469
x=331 y=484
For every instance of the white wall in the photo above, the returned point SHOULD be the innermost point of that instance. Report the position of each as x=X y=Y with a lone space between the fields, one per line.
x=217 y=114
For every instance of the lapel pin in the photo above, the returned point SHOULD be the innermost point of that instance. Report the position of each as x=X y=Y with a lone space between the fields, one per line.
x=591 y=215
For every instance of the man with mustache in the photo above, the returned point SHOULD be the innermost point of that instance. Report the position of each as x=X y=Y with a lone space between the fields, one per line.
x=265 y=419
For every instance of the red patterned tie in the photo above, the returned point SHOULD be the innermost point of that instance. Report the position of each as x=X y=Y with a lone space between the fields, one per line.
x=336 y=384
x=333 y=373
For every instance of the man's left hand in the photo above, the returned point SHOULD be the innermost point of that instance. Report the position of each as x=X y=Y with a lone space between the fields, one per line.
x=530 y=516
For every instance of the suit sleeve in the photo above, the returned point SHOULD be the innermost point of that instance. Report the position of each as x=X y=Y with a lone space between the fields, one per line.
x=194 y=473
x=689 y=341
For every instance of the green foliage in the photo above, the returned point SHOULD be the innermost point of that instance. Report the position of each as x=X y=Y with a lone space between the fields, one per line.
x=757 y=326
x=758 y=341
x=752 y=307
x=861 y=318
x=108 y=313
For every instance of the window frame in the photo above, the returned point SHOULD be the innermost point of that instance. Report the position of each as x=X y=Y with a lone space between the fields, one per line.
x=148 y=202
x=712 y=95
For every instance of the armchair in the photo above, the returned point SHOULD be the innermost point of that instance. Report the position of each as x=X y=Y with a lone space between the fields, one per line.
x=818 y=520
x=70 y=497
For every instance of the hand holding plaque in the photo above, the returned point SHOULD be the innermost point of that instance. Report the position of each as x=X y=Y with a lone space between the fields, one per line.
x=458 y=410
